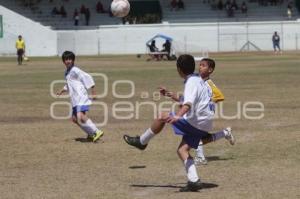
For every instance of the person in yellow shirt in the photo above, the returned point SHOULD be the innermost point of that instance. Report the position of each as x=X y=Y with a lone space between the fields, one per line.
x=206 y=68
x=20 y=46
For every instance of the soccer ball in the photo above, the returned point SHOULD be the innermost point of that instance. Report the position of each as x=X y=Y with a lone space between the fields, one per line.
x=120 y=8
x=25 y=58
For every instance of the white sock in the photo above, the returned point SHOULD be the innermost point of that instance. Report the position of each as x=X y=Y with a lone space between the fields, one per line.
x=89 y=127
x=146 y=137
x=200 y=151
x=191 y=170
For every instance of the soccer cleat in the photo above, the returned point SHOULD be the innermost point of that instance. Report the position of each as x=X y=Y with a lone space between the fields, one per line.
x=200 y=161
x=229 y=136
x=97 y=135
x=191 y=186
x=134 y=141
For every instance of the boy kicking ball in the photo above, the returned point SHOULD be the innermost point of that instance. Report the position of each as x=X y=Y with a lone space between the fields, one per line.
x=192 y=121
x=206 y=68
x=78 y=83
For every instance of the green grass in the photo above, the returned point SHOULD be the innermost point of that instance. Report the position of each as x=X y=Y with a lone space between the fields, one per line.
x=41 y=159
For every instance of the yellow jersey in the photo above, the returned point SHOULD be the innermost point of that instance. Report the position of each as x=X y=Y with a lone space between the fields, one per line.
x=217 y=93
x=20 y=44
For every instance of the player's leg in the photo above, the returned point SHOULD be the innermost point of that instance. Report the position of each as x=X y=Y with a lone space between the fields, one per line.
x=225 y=133
x=19 y=54
x=141 y=142
x=200 y=158
x=194 y=183
x=86 y=124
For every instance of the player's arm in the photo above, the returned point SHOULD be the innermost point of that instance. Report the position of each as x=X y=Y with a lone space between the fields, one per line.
x=88 y=82
x=189 y=96
x=180 y=113
x=62 y=91
x=168 y=93
x=93 y=93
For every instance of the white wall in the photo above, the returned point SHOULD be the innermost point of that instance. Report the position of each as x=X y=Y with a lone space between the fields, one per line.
x=39 y=40
x=131 y=39
x=216 y=37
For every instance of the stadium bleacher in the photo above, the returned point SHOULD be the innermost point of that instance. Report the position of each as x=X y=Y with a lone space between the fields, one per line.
x=201 y=11
x=195 y=11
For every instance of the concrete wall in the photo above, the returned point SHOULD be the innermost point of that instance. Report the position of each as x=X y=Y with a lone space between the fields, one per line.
x=131 y=39
x=39 y=40
x=212 y=37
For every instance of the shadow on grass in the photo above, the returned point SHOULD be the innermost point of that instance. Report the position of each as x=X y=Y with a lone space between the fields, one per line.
x=176 y=186
x=137 y=167
x=217 y=158
x=84 y=140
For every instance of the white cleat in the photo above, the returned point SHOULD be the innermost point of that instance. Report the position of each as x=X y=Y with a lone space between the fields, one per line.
x=200 y=161
x=229 y=136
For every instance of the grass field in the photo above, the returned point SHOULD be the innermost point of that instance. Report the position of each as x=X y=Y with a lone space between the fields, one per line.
x=41 y=157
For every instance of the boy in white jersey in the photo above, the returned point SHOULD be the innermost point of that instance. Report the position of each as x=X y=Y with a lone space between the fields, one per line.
x=78 y=83
x=193 y=121
x=206 y=68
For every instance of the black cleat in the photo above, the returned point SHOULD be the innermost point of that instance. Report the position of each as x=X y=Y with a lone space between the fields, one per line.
x=134 y=141
x=191 y=186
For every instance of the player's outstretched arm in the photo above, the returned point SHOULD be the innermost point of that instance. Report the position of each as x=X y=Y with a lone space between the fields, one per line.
x=168 y=93
x=183 y=110
x=62 y=91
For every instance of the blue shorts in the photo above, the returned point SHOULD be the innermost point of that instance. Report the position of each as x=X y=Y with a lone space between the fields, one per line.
x=191 y=135
x=77 y=109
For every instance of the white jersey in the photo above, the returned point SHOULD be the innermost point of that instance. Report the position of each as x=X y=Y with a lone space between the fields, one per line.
x=197 y=94
x=78 y=83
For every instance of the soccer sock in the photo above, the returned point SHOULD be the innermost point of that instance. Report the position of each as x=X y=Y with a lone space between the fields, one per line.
x=218 y=135
x=200 y=151
x=191 y=170
x=146 y=137
x=89 y=127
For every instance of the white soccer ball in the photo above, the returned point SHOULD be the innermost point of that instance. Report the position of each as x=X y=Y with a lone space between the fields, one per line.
x=120 y=8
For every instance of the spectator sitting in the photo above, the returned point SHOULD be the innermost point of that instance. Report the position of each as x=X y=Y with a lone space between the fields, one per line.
x=76 y=17
x=63 y=11
x=87 y=15
x=220 y=5
x=166 y=48
x=244 y=8
x=289 y=13
x=213 y=5
x=99 y=7
x=234 y=5
x=173 y=5
x=154 y=49
x=55 y=11
x=180 y=4
x=82 y=9
x=289 y=5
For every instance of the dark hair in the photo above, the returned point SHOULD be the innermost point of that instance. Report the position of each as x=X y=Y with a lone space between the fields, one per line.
x=186 y=64
x=210 y=62
x=68 y=55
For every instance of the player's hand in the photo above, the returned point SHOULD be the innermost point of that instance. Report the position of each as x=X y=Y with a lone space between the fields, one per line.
x=58 y=93
x=162 y=90
x=165 y=92
x=94 y=98
x=172 y=119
